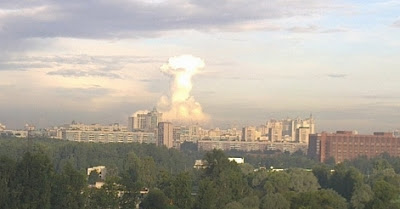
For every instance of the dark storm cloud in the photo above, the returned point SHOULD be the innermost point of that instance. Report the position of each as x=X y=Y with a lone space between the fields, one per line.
x=123 y=18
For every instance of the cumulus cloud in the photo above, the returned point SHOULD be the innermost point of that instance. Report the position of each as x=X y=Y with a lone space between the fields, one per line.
x=180 y=106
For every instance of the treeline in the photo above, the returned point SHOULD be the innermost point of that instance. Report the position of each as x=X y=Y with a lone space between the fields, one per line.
x=84 y=155
x=51 y=174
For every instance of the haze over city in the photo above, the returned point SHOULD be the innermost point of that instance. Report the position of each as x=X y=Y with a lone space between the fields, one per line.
x=99 y=62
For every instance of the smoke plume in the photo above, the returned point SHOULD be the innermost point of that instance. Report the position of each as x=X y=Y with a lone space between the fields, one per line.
x=180 y=106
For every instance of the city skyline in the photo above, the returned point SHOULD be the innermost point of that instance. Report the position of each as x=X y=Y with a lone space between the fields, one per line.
x=100 y=62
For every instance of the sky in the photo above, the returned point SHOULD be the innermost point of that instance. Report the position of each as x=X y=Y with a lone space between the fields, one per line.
x=99 y=61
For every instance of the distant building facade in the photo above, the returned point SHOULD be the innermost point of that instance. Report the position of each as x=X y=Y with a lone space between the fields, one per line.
x=396 y=133
x=14 y=133
x=114 y=133
x=2 y=127
x=250 y=134
x=165 y=134
x=108 y=136
x=346 y=145
x=275 y=129
x=95 y=127
x=292 y=130
x=101 y=170
x=238 y=160
x=303 y=134
x=286 y=130
x=147 y=122
x=206 y=145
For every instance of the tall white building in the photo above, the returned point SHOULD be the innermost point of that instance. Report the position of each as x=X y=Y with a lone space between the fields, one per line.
x=145 y=121
x=275 y=130
x=249 y=134
x=291 y=130
x=302 y=134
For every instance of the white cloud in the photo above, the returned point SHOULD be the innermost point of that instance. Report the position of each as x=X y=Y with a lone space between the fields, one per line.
x=397 y=24
x=108 y=19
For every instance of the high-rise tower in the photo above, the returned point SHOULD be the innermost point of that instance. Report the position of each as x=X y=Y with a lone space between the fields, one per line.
x=165 y=134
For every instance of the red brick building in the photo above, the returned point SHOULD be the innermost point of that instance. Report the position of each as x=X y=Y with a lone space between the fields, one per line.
x=345 y=145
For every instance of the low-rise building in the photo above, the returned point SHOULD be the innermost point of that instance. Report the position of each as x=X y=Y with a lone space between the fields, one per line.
x=251 y=146
x=14 y=133
x=108 y=136
x=346 y=145
x=200 y=164
x=2 y=127
x=238 y=160
x=101 y=170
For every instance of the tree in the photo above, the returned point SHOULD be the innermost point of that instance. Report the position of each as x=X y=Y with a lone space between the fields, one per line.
x=330 y=161
x=106 y=197
x=7 y=173
x=251 y=202
x=381 y=164
x=147 y=172
x=33 y=181
x=246 y=168
x=188 y=147
x=68 y=189
x=234 y=205
x=217 y=162
x=323 y=174
x=277 y=182
x=302 y=181
x=207 y=195
x=385 y=194
x=361 y=197
x=182 y=191
x=362 y=163
x=274 y=201
x=164 y=181
x=344 y=180
x=321 y=199
x=139 y=173
x=131 y=172
x=156 y=199
x=226 y=176
x=388 y=175
x=258 y=178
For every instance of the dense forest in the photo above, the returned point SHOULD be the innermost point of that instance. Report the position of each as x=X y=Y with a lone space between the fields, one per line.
x=45 y=173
